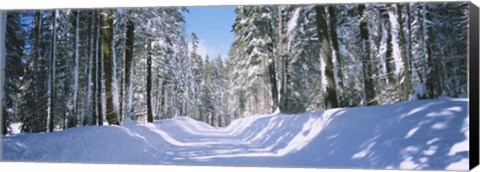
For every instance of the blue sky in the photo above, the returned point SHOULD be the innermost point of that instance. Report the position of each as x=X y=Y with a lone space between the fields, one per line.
x=212 y=24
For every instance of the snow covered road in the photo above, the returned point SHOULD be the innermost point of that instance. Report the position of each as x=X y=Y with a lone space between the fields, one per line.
x=427 y=134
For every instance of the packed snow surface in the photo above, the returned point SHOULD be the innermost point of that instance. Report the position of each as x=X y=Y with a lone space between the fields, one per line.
x=423 y=134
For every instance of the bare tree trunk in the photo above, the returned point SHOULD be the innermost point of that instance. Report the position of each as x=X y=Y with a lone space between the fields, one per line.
x=52 y=73
x=272 y=75
x=162 y=104
x=73 y=123
x=326 y=54
x=3 y=60
x=94 y=45
x=99 y=71
x=333 y=33
x=107 y=41
x=128 y=67
x=36 y=51
x=389 y=53
x=366 y=64
x=406 y=85
x=283 y=105
x=88 y=73
x=432 y=81
x=149 y=85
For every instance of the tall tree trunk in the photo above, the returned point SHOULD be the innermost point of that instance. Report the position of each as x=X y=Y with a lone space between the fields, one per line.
x=52 y=72
x=121 y=98
x=389 y=53
x=273 y=83
x=157 y=96
x=212 y=119
x=128 y=67
x=94 y=50
x=326 y=54
x=162 y=103
x=366 y=64
x=413 y=66
x=283 y=105
x=149 y=85
x=419 y=68
x=406 y=85
x=107 y=41
x=3 y=60
x=99 y=69
x=408 y=35
x=88 y=73
x=75 y=69
x=36 y=52
x=272 y=74
x=432 y=81
x=333 y=33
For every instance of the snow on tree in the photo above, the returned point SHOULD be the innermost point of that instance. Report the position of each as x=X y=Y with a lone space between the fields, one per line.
x=67 y=67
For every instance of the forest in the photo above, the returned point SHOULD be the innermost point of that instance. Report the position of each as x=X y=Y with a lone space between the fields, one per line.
x=68 y=68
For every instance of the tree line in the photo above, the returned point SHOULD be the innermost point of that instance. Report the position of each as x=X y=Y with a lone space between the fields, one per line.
x=297 y=58
x=67 y=67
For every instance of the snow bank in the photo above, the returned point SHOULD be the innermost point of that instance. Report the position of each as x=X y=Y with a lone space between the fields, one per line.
x=427 y=134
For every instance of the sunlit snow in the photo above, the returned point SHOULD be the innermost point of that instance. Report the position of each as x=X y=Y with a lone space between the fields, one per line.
x=364 y=137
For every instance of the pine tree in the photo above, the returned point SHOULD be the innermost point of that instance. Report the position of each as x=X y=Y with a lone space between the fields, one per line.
x=196 y=65
x=255 y=34
x=14 y=70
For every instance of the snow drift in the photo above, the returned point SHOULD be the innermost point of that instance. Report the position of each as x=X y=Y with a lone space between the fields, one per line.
x=426 y=134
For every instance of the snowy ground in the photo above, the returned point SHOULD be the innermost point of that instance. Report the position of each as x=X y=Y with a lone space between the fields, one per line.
x=428 y=134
